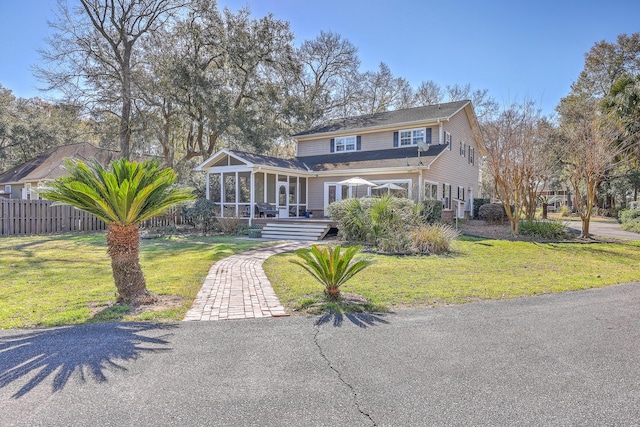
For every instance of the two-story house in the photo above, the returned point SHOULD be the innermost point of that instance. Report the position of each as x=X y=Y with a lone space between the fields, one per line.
x=430 y=152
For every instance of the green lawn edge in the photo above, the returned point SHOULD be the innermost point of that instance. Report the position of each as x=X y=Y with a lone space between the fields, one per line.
x=479 y=269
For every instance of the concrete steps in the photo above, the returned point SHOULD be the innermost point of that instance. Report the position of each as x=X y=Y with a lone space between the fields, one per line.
x=295 y=231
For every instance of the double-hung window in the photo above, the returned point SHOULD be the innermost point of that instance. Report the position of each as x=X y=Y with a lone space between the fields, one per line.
x=411 y=136
x=448 y=139
x=346 y=143
x=446 y=196
x=471 y=154
x=430 y=191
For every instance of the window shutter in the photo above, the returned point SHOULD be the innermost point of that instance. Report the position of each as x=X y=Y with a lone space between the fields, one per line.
x=395 y=139
x=427 y=135
x=444 y=191
x=358 y=143
x=462 y=193
x=332 y=147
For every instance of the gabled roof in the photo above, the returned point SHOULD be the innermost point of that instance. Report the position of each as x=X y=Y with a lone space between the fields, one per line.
x=392 y=157
x=50 y=165
x=427 y=113
x=251 y=159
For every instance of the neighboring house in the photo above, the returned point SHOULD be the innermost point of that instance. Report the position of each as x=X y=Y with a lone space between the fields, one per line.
x=381 y=148
x=24 y=180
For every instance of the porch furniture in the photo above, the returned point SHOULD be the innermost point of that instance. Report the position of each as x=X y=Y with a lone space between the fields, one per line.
x=266 y=210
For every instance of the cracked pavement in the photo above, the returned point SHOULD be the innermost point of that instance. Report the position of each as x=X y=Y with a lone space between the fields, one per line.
x=551 y=360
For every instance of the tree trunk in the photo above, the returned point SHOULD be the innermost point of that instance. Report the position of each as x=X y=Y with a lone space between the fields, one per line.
x=123 y=246
x=585 y=228
x=545 y=210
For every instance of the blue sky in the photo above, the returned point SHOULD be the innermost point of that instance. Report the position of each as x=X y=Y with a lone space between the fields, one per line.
x=513 y=48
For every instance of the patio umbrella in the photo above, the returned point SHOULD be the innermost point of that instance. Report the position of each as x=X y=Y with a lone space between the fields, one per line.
x=388 y=186
x=355 y=182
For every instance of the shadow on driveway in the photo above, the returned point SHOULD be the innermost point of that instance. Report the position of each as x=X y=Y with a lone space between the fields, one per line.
x=87 y=350
x=362 y=320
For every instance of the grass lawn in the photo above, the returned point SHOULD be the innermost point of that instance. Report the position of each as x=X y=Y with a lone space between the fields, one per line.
x=481 y=269
x=66 y=279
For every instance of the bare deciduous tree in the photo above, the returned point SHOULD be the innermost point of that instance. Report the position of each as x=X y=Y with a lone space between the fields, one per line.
x=514 y=153
x=588 y=146
x=93 y=55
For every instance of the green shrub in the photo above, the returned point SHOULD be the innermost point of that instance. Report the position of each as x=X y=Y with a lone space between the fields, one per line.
x=632 y=225
x=231 y=226
x=492 y=213
x=476 y=206
x=431 y=211
x=628 y=215
x=564 y=212
x=543 y=229
x=368 y=220
x=331 y=266
x=202 y=214
x=433 y=238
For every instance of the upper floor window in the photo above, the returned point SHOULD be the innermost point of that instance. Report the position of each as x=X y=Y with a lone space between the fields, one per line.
x=346 y=143
x=448 y=139
x=411 y=136
x=471 y=155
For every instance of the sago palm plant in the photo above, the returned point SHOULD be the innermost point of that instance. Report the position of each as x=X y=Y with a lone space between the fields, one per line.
x=331 y=266
x=122 y=196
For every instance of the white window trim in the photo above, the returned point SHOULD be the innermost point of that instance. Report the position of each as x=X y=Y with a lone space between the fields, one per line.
x=429 y=184
x=7 y=189
x=445 y=197
x=344 y=144
x=413 y=138
x=448 y=140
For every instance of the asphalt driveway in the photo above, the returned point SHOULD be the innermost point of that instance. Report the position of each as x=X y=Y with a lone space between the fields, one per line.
x=604 y=229
x=568 y=359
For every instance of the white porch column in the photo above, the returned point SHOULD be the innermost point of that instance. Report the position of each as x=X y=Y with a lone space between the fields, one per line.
x=222 y=194
x=251 y=197
x=420 y=186
x=265 y=188
x=237 y=194
x=208 y=185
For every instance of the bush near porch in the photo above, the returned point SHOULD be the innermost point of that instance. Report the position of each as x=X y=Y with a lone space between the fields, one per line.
x=393 y=224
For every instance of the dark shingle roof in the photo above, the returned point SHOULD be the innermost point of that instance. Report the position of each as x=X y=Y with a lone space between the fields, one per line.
x=262 y=160
x=393 y=157
x=389 y=118
x=49 y=166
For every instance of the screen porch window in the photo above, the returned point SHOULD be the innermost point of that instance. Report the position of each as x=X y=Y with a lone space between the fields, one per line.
x=346 y=143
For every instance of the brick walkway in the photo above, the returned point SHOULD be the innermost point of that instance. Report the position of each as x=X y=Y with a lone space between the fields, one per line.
x=237 y=288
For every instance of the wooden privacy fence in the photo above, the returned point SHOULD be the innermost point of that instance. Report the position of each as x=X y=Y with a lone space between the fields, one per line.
x=24 y=217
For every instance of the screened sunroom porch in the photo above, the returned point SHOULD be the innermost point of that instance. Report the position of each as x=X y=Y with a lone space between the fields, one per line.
x=250 y=186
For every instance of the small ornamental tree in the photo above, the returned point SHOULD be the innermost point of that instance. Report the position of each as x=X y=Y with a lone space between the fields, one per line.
x=332 y=267
x=122 y=196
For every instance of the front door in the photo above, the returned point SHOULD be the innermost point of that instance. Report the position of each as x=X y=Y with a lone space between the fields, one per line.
x=283 y=200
